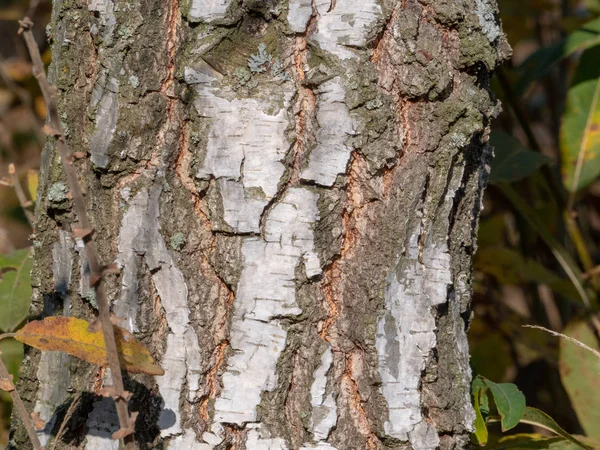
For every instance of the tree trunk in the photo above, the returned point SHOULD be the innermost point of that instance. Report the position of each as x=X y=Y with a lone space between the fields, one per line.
x=291 y=190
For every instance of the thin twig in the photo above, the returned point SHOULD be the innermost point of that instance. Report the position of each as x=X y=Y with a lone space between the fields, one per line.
x=84 y=229
x=596 y=323
x=7 y=335
x=590 y=273
x=66 y=419
x=20 y=408
x=580 y=245
x=23 y=200
x=568 y=338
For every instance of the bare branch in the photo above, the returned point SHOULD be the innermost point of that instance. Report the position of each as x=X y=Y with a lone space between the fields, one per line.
x=568 y=338
x=20 y=408
x=61 y=431
x=91 y=251
x=23 y=200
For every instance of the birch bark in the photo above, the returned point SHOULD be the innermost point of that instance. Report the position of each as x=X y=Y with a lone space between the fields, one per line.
x=291 y=190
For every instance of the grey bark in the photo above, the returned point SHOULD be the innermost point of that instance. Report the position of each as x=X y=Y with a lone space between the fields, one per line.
x=291 y=190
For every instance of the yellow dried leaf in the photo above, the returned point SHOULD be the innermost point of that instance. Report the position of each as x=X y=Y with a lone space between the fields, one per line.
x=39 y=104
x=32 y=183
x=75 y=337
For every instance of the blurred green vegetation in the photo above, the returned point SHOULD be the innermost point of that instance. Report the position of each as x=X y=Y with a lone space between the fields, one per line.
x=538 y=250
x=538 y=260
x=22 y=113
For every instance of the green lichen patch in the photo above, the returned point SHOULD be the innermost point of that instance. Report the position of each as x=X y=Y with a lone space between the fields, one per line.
x=91 y=298
x=57 y=194
x=177 y=241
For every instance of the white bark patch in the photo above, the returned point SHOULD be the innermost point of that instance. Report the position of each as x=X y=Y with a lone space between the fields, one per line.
x=324 y=410
x=348 y=25
x=487 y=19
x=424 y=437
x=140 y=234
x=106 y=11
x=260 y=439
x=106 y=123
x=406 y=331
x=246 y=146
x=330 y=157
x=299 y=14
x=53 y=377
x=406 y=335
x=85 y=290
x=464 y=291
x=266 y=290
x=131 y=227
x=240 y=210
x=319 y=446
x=208 y=10
x=53 y=369
x=193 y=359
x=188 y=441
x=62 y=262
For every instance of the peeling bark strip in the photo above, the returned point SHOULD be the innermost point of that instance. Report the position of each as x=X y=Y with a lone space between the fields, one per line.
x=291 y=189
x=52 y=372
x=406 y=333
x=257 y=337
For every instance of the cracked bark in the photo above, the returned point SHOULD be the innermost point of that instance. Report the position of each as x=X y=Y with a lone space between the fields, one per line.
x=294 y=233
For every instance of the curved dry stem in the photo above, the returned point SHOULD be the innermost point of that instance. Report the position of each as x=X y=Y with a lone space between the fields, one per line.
x=84 y=229
x=20 y=408
x=568 y=338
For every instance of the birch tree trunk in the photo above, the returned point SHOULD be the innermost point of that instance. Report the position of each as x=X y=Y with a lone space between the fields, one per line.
x=291 y=190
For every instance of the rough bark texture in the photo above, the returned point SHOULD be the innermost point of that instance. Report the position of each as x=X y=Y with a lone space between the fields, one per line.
x=291 y=189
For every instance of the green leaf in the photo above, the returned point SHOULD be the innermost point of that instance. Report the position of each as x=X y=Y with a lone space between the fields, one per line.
x=15 y=289
x=478 y=387
x=510 y=403
x=580 y=375
x=512 y=161
x=541 y=61
x=533 y=416
x=580 y=128
x=531 y=441
x=481 y=432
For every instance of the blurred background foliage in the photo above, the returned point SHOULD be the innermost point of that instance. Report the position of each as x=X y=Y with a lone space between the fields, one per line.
x=22 y=114
x=538 y=260
x=538 y=250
